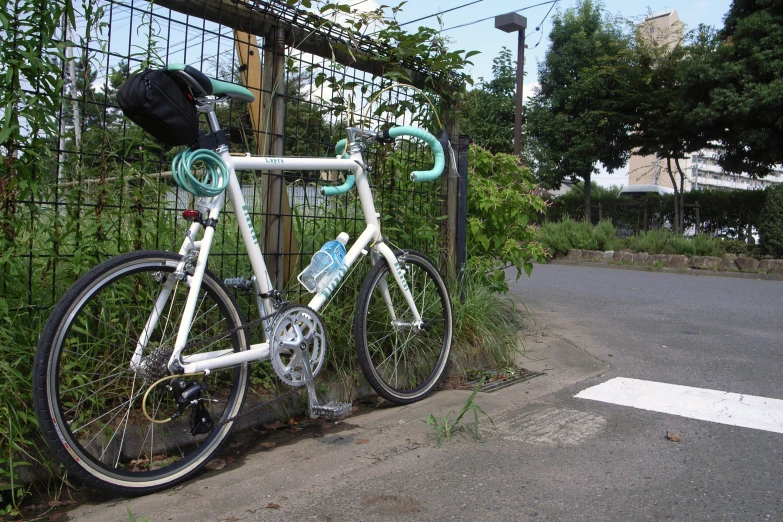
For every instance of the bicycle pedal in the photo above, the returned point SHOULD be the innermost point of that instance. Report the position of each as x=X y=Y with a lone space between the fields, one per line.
x=332 y=410
x=238 y=283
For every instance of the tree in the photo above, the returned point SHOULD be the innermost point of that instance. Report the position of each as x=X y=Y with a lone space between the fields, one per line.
x=663 y=102
x=488 y=111
x=744 y=86
x=576 y=118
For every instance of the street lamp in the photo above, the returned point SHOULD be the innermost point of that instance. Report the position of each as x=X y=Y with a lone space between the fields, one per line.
x=509 y=23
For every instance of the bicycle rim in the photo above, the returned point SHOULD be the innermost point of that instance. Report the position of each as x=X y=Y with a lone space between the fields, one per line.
x=403 y=362
x=95 y=398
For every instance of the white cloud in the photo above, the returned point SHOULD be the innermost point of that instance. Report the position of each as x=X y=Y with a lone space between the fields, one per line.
x=528 y=90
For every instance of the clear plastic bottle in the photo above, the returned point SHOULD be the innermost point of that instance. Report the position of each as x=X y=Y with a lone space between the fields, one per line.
x=324 y=265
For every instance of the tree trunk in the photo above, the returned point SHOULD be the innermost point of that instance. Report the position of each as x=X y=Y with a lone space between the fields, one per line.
x=588 y=202
x=682 y=195
x=676 y=224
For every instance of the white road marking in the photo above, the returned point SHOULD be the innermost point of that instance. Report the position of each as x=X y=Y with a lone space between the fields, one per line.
x=734 y=409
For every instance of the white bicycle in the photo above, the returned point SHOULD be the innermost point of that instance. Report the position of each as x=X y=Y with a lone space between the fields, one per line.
x=143 y=365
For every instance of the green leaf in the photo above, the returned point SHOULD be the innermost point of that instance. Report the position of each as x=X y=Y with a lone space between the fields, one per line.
x=5 y=132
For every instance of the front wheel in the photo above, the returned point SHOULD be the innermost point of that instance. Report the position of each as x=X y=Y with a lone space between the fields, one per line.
x=88 y=393
x=403 y=361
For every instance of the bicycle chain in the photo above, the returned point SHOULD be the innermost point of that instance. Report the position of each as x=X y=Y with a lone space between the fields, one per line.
x=224 y=335
x=261 y=405
x=229 y=333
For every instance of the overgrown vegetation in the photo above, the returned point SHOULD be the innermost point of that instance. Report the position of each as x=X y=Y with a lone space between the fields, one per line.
x=562 y=236
x=103 y=194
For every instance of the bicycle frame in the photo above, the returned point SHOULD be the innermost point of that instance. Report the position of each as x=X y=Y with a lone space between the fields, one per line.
x=208 y=361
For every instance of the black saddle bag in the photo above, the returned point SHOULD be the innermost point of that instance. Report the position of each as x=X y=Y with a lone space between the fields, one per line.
x=153 y=101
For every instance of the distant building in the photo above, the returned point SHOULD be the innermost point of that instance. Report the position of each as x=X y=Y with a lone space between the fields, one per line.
x=700 y=168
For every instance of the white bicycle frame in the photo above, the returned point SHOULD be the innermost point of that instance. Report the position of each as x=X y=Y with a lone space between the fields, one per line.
x=208 y=361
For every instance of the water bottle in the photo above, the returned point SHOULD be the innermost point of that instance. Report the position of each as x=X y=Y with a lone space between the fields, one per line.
x=324 y=265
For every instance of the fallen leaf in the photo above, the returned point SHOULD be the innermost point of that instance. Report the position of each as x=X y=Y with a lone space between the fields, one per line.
x=56 y=516
x=272 y=505
x=229 y=460
x=275 y=426
x=267 y=445
x=232 y=519
x=674 y=437
x=292 y=421
x=215 y=464
x=362 y=441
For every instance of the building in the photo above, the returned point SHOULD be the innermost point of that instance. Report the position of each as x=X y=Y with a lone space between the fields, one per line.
x=700 y=168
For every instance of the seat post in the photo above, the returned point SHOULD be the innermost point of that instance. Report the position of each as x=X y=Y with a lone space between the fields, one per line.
x=212 y=120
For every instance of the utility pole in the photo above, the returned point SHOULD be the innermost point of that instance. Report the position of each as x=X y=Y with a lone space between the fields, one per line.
x=509 y=23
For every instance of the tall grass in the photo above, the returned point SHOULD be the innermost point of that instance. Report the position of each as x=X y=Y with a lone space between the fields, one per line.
x=486 y=325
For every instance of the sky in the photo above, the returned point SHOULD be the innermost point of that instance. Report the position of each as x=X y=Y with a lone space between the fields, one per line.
x=489 y=41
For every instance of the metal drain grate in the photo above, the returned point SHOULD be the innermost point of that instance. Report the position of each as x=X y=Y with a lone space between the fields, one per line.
x=493 y=386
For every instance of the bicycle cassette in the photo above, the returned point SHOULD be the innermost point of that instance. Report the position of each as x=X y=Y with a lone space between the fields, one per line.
x=297 y=331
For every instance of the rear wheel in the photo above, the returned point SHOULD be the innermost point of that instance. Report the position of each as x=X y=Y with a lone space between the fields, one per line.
x=88 y=399
x=401 y=360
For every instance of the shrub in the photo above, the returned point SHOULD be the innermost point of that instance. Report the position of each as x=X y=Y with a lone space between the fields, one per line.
x=704 y=245
x=732 y=246
x=503 y=204
x=568 y=234
x=605 y=235
x=771 y=222
x=655 y=241
x=682 y=246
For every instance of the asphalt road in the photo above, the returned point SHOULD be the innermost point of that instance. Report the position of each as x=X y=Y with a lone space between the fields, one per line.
x=549 y=455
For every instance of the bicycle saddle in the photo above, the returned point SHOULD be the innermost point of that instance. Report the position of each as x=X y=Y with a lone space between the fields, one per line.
x=202 y=85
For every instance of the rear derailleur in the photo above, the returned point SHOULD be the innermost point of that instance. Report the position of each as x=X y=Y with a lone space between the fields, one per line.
x=188 y=396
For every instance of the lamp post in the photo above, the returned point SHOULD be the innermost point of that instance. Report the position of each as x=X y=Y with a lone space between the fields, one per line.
x=509 y=23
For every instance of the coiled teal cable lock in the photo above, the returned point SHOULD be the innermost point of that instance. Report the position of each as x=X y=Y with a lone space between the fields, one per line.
x=215 y=178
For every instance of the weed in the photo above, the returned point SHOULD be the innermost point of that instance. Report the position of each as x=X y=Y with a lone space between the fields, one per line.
x=444 y=426
x=133 y=518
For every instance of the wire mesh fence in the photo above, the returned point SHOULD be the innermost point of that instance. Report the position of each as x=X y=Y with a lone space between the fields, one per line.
x=110 y=189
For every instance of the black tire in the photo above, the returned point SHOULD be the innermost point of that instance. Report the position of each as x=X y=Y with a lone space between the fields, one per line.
x=88 y=399
x=404 y=363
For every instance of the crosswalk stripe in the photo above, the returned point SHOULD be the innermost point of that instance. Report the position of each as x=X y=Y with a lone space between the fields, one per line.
x=734 y=409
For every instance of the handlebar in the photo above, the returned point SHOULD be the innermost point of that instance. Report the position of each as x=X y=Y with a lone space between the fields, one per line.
x=435 y=146
x=417 y=176
x=339 y=150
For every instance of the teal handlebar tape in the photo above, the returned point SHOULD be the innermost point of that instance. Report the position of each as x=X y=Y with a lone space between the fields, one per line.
x=342 y=189
x=435 y=146
x=339 y=150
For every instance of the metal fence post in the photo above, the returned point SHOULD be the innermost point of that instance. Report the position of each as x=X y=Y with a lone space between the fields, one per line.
x=462 y=208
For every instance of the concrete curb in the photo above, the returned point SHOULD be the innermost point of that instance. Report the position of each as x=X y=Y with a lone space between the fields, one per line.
x=683 y=271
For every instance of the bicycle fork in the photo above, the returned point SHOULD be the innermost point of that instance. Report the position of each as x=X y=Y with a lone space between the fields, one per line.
x=383 y=250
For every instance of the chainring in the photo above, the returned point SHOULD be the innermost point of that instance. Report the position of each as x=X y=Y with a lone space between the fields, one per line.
x=295 y=325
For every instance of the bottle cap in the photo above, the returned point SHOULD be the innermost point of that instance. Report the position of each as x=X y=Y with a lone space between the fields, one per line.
x=343 y=238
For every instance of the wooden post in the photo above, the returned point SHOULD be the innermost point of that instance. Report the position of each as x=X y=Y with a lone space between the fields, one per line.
x=267 y=114
x=279 y=236
x=600 y=211
x=248 y=53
